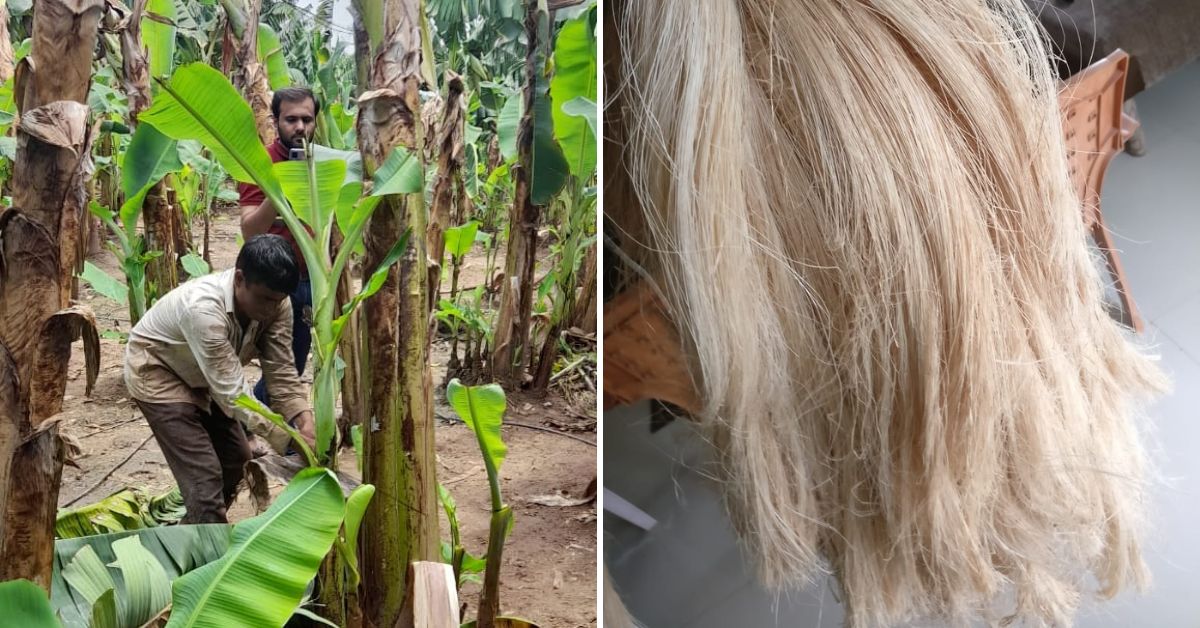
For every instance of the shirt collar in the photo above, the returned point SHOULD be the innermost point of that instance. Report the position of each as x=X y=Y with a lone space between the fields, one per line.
x=227 y=285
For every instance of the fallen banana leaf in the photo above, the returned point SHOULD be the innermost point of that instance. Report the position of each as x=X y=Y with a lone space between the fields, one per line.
x=261 y=580
x=177 y=549
x=127 y=509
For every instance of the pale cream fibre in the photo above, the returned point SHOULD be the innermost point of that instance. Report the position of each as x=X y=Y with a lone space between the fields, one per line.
x=861 y=214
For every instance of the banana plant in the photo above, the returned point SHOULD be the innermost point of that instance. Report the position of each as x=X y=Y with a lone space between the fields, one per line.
x=150 y=157
x=482 y=409
x=465 y=565
x=459 y=241
x=573 y=96
x=313 y=197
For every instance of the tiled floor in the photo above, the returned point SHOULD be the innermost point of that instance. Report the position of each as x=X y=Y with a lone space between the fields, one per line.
x=688 y=570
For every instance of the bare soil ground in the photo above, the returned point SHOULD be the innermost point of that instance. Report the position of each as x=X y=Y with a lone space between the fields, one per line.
x=549 y=574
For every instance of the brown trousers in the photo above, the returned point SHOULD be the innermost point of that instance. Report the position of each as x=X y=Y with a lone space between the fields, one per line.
x=205 y=451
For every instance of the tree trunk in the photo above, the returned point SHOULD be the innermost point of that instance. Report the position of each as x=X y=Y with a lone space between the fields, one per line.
x=38 y=254
x=134 y=66
x=546 y=357
x=362 y=54
x=584 y=314
x=353 y=392
x=160 y=218
x=7 y=59
x=450 y=158
x=207 y=223
x=183 y=231
x=161 y=222
x=401 y=524
x=249 y=75
x=516 y=296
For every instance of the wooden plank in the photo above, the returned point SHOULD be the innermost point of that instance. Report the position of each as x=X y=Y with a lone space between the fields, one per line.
x=434 y=599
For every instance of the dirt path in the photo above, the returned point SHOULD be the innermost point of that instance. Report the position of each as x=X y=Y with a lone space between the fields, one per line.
x=549 y=560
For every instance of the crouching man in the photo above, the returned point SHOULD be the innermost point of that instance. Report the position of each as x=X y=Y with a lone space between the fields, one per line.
x=184 y=369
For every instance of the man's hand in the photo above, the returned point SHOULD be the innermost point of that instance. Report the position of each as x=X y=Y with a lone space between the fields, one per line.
x=307 y=427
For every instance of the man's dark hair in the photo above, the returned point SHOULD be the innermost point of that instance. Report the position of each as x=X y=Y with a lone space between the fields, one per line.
x=268 y=260
x=293 y=94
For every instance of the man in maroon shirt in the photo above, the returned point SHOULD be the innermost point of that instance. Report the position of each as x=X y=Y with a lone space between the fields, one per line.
x=295 y=110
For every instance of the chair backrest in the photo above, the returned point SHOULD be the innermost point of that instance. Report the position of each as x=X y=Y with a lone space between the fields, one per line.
x=642 y=354
x=1094 y=126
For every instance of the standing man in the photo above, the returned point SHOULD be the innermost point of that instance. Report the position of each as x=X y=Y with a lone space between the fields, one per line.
x=295 y=110
x=183 y=369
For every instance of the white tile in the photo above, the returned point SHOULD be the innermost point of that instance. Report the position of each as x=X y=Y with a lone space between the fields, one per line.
x=1168 y=108
x=686 y=561
x=1172 y=547
x=1181 y=324
x=752 y=606
x=1151 y=206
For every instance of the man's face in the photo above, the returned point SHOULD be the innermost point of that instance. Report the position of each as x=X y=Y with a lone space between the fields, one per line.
x=297 y=121
x=255 y=301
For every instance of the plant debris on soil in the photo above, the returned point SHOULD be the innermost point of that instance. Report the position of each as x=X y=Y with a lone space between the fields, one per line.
x=549 y=573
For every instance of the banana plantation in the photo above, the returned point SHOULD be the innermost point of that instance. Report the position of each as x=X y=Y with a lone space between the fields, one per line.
x=440 y=203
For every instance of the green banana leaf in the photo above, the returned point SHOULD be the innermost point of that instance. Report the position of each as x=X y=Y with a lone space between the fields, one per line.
x=262 y=578
x=575 y=77
x=506 y=126
x=195 y=265
x=127 y=509
x=460 y=239
x=356 y=507
x=159 y=38
x=293 y=176
x=372 y=20
x=583 y=108
x=400 y=173
x=550 y=167
x=270 y=54
x=25 y=604
x=105 y=284
x=176 y=549
x=150 y=157
x=147 y=587
x=199 y=103
x=482 y=409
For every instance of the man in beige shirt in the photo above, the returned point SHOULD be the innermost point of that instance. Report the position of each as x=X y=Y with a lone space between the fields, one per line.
x=184 y=369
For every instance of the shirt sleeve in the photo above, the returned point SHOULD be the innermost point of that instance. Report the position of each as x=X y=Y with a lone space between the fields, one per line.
x=289 y=396
x=206 y=333
x=250 y=194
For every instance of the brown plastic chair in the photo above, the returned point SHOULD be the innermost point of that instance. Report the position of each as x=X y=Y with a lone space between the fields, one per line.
x=643 y=358
x=1096 y=130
